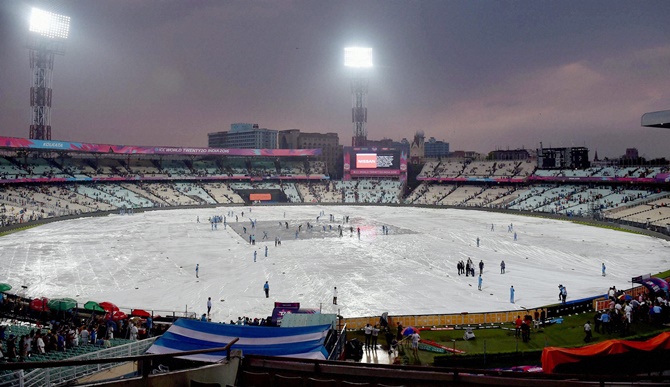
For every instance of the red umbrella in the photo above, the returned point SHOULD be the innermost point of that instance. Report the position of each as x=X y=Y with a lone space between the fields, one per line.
x=118 y=315
x=140 y=313
x=109 y=307
x=40 y=304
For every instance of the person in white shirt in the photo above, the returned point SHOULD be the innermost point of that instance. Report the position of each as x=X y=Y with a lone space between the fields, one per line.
x=628 y=310
x=84 y=335
x=375 y=336
x=415 y=343
x=368 y=335
x=40 y=343
x=133 y=332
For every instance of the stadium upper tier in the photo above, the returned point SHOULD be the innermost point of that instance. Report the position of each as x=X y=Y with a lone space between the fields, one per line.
x=39 y=169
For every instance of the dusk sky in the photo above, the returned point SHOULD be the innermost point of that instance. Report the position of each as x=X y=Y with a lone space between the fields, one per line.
x=481 y=75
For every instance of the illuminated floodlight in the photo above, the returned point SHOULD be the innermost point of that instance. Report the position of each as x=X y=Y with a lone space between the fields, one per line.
x=49 y=24
x=359 y=57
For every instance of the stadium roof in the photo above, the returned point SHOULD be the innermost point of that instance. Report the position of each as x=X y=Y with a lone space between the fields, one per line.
x=659 y=119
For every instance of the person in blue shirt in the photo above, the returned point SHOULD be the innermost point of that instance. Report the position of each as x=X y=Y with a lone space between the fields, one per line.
x=511 y=294
x=266 y=288
x=149 y=324
x=479 y=282
x=605 y=320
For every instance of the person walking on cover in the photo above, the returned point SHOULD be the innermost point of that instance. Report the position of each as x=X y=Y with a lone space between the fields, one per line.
x=502 y=267
x=511 y=294
x=604 y=269
x=209 y=305
x=266 y=288
x=479 y=282
x=335 y=296
x=481 y=267
x=197 y=268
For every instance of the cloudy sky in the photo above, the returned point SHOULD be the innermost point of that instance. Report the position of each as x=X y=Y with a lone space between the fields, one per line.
x=481 y=75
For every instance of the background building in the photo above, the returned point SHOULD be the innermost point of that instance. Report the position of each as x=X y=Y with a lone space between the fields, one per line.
x=417 y=148
x=244 y=136
x=329 y=143
x=435 y=149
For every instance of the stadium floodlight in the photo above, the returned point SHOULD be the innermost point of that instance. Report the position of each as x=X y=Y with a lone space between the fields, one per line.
x=47 y=37
x=49 y=24
x=358 y=57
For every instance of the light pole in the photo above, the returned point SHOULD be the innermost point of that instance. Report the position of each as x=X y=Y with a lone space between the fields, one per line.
x=359 y=60
x=48 y=32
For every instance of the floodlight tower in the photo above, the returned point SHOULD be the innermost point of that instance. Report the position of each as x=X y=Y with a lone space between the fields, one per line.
x=359 y=60
x=48 y=32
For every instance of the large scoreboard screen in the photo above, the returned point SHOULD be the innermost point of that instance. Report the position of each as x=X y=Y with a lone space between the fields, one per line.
x=361 y=162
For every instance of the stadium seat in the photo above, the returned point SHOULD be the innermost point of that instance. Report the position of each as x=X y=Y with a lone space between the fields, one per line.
x=322 y=382
x=258 y=379
x=203 y=384
x=288 y=381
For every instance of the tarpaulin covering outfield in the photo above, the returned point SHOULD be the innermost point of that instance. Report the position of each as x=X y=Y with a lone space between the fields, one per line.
x=555 y=357
x=191 y=335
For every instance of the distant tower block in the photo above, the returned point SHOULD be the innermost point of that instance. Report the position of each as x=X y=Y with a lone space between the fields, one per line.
x=48 y=32
x=359 y=60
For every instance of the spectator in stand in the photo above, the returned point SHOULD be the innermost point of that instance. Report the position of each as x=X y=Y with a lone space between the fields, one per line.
x=84 y=335
x=11 y=348
x=133 y=332
x=40 y=343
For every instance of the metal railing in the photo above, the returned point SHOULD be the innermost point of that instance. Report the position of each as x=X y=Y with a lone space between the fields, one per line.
x=45 y=377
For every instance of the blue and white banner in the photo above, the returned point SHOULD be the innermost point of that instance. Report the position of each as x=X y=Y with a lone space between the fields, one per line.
x=191 y=335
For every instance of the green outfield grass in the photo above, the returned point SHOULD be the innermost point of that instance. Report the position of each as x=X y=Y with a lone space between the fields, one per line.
x=569 y=333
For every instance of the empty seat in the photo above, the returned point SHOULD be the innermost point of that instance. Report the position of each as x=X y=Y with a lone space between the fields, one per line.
x=322 y=382
x=258 y=379
x=195 y=383
x=289 y=381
